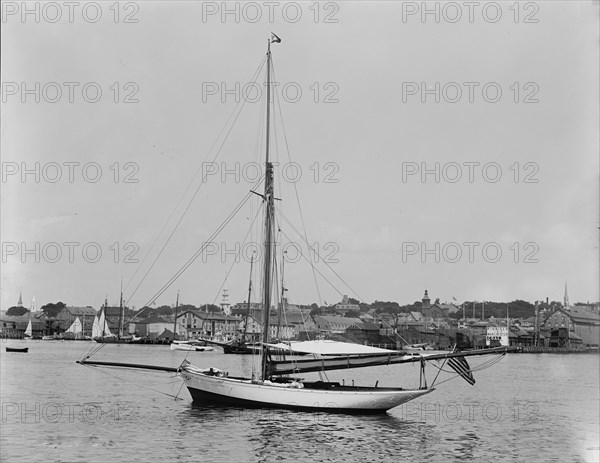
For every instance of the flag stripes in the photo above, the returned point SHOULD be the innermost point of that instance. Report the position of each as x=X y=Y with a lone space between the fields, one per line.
x=461 y=366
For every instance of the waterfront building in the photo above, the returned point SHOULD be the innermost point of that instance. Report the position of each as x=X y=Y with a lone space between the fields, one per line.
x=194 y=323
x=286 y=330
x=346 y=306
x=584 y=324
x=67 y=316
x=153 y=326
x=332 y=324
x=365 y=333
x=241 y=308
x=14 y=327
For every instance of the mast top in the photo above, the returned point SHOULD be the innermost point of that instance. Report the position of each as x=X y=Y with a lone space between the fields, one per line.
x=274 y=39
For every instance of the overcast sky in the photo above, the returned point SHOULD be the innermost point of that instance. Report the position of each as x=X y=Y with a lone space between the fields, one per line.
x=514 y=133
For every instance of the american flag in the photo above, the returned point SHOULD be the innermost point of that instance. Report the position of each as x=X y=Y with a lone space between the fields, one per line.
x=460 y=365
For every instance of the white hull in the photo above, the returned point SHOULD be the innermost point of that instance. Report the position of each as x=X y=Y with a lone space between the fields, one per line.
x=207 y=388
x=190 y=347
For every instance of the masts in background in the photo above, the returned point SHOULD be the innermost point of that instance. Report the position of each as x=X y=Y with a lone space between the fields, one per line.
x=248 y=305
x=175 y=320
x=281 y=307
x=121 y=311
x=536 y=337
x=104 y=318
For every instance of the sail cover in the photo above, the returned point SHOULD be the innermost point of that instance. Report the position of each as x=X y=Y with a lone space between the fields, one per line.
x=328 y=347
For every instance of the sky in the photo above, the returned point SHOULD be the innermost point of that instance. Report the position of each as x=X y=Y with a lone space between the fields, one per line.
x=452 y=150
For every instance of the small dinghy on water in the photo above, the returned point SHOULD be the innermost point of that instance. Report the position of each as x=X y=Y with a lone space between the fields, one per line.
x=23 y=350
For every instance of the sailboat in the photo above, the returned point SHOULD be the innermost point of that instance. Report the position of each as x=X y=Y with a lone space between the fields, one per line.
x=275 y=382
x=28 y=334
x=271 y=387
x=104 y=335
x=75 y=332
x=187 y=345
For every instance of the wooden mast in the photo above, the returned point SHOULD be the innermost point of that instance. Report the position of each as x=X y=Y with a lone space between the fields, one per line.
x=268 y=243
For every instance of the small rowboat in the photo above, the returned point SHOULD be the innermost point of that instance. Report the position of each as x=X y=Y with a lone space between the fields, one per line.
x=17 y=349
x=190 y=346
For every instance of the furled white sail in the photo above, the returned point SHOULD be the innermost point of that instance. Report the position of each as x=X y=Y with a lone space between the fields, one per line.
x=328 y=347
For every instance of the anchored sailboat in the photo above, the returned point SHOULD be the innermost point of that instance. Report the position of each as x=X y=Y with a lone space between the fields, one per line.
x=269 y=388
x=103 y=334
x=271 y=385
x=29 y=330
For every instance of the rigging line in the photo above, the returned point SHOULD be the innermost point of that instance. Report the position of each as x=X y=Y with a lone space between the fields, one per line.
x=180 y=388
x=317 y=270
x=135 y=384
x=481 y=367
x=240 y=106
x=197 y=171
x=88 y=347
x=96 y=349
x=276 y=286
x=287 y=147
x=250 y=229
x=283 y=312
x=191 y=260
x=199 y=251
x=238 y=253
x=258 y=151
x=193 y=178
x=222 y=226
x=323 y=260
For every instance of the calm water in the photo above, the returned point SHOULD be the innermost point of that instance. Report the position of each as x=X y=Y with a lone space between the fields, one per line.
x=533 y=408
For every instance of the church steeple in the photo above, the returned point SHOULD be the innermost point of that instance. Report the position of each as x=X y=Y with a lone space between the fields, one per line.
x=20 y=303
x=225 y=306
x=425 y=302
x=566 y=301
